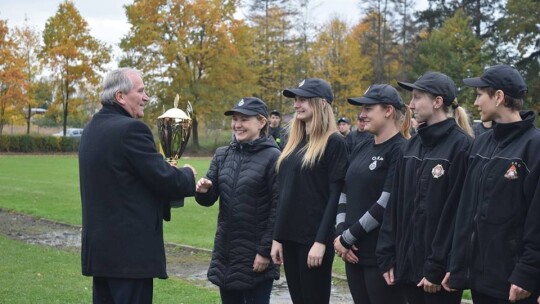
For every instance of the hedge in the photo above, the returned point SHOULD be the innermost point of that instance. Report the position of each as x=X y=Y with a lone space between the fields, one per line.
x=38 y=144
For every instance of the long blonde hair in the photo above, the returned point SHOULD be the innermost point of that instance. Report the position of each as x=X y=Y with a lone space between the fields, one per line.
x=322 y=126
x=402 y=120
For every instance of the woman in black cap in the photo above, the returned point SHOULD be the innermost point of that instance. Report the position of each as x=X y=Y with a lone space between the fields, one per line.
x=496 y=246
x=311 y=170
x=243 y=177
x=426 y=173
x=368 y=185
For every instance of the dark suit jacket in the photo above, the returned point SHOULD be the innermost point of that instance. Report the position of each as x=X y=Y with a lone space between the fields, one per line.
x=126 y=187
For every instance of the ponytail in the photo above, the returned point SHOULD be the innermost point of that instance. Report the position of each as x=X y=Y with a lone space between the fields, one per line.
x=402 y=120
x=406 y=124
x=461 y=117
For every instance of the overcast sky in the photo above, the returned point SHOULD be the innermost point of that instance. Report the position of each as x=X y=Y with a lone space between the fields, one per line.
x=108 y=22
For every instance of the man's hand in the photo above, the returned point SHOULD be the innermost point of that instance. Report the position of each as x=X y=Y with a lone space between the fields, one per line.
x=517 y=293
x=203 y=185
x=260 y=263
x=277 y=253
x=428 y=286
x=389 y=276
x=315 y=255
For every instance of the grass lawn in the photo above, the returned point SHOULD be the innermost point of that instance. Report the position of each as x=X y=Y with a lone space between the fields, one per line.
x=47 y=186
x=37 y=274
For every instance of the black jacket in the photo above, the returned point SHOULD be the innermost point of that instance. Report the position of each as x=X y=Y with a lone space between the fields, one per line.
x=497 y=234
x=244 y=178
x=424 y=177
x=126 y=187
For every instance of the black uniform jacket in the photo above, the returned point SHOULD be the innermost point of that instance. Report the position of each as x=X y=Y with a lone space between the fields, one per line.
x=244 y=178
x=422 y=182
x=497 y=234
x=125 y=188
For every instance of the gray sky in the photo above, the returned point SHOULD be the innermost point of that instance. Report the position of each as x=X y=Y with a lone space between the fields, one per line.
x=108 y=22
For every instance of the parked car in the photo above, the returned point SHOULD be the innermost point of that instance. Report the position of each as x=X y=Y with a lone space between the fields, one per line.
x=70 y=132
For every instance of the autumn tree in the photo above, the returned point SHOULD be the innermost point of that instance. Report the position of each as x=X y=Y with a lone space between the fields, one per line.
x=11 y=75
x=337 y=58
x=519 y=29
x=382 y=53
x=72 y=54
x=406 y=32
x=454 y=50
x=28 y=41
x=196 y=48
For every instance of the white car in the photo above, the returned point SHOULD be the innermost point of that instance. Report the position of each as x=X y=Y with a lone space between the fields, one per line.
x=71 y=132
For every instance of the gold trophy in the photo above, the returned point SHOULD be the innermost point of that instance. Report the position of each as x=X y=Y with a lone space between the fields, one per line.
x=174 y=129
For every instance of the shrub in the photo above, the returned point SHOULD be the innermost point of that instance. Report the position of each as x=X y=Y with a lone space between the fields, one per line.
x=38 y=144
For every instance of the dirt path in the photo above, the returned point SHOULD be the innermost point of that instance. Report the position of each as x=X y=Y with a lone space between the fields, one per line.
x=182 y=261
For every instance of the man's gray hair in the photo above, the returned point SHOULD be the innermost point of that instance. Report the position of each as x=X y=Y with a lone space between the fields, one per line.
x=116 y=81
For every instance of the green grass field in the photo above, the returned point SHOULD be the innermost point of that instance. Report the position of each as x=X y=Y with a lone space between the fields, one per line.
x=37 y=274
x=47 y=186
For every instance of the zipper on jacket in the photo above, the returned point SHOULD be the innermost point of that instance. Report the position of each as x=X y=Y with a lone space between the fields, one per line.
x=235 y=179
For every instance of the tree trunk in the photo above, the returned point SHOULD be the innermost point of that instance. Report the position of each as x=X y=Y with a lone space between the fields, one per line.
x=66 y=103
x=195 y=133
x=28 y=119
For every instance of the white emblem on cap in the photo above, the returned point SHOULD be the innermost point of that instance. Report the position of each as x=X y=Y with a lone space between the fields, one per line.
x=241 y=102
x=302 y=83
x=367 y=90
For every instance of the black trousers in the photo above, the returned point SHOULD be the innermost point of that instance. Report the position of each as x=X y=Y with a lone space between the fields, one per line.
x=417 y=295
x=481 y=298
x=122 y=291
x=260 y=294
x=307 y=285
x=367 y=286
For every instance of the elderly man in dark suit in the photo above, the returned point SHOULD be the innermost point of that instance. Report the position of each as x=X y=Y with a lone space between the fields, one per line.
x=126 y=187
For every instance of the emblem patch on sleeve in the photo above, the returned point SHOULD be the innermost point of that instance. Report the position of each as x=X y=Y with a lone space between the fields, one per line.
x=437 y=171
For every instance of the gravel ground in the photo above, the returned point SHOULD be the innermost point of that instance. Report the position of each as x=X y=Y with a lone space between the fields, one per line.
x=182 y=261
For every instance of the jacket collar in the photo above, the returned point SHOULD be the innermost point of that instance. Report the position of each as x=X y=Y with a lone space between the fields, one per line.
x=115 y=108
x=505 y=133
x=432 y=134
x=256 y=145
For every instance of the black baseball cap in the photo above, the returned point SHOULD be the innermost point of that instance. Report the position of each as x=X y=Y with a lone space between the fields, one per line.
x=344 y=119
x=275 y=112
x=500 y=77
x=311 y=87
x=379 y=94
x=435 y=83
x=250 y=106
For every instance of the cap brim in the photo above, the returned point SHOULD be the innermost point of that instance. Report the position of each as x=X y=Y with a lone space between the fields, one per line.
x=475 y=82
x=292 y=93
x=410 y=86
x=241 y=111
x=358 y=101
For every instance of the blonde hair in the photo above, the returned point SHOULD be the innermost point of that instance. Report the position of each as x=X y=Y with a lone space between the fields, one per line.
x=461 y=117
x=322 y=126
x=459 y=114
x=402 y=118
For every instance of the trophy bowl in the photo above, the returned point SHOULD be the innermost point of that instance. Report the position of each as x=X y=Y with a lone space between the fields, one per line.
x=174 y=129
